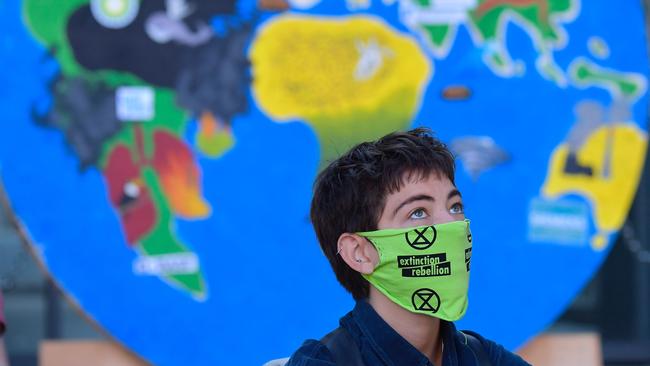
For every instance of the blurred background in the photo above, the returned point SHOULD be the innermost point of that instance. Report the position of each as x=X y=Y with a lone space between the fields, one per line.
x=615 y=303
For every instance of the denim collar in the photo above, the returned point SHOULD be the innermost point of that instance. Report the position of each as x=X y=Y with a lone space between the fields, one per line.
x=371 y=330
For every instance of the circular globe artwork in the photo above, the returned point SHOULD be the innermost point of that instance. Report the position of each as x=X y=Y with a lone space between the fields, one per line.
x=159 y=155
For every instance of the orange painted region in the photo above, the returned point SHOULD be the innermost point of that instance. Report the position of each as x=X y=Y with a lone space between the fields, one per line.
x=179 y=176
x=207 y=124
x=210 y=125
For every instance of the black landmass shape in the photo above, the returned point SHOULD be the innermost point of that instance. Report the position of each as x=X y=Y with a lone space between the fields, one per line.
x=130 y=49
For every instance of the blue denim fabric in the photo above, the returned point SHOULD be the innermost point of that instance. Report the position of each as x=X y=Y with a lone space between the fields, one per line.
x=380 y=345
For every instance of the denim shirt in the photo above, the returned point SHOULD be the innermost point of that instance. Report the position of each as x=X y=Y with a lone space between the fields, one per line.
x=379 y=344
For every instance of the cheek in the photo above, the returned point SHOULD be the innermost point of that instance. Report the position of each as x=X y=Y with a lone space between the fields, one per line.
x=443 y=216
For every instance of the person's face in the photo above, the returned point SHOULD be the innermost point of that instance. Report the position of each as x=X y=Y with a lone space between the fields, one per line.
x=419 y=202
x=422 y=201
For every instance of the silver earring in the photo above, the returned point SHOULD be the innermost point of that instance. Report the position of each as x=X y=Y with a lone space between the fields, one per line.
x=359 y=261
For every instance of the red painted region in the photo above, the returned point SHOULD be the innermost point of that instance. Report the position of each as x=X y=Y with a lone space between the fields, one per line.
x=178 y=173
x=129 y=195
x=489 y=5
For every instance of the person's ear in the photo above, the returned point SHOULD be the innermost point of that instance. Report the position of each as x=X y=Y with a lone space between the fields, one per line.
x=358 y=253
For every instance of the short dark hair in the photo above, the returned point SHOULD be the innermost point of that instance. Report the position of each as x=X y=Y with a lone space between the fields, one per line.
x=350 y=193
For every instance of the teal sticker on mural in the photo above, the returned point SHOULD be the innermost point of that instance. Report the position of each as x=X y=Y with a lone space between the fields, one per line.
x=558 y=222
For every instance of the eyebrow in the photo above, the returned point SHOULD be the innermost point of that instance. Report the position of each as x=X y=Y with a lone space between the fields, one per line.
x=425 y=197
x=454 y=193
x=412 y=199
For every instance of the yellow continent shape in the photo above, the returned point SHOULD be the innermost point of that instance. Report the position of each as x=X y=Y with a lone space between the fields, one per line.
x=305 y=66
x=620 y=149
x=351 y=78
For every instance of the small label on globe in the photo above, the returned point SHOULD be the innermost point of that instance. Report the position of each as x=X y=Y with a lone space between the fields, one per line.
x=134 y=103
x=166 y=264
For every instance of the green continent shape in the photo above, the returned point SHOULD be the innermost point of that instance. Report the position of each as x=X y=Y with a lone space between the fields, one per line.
x=488 y=19
x=162 y=239
x=437 y=33
x=584 y=73
x=440 y=36
x=47 y=21
x=487 y=16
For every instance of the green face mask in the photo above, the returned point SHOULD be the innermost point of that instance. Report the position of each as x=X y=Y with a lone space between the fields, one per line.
x=424 y=269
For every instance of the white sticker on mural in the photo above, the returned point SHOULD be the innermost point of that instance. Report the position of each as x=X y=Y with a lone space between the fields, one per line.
x=134 y=103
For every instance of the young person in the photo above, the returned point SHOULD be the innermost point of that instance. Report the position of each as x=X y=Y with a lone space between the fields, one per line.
x=390 y=220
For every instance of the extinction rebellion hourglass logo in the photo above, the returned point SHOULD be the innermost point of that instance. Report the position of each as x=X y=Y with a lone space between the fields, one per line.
x=421 y=239
x=425 y=299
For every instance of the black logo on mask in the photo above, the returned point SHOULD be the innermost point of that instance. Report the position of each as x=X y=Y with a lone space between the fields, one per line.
x=468 y=257
x=421 y=239
x=428 y=265
x=425 y=299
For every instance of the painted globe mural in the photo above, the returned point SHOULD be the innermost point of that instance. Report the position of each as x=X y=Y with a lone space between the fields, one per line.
x=159 y=155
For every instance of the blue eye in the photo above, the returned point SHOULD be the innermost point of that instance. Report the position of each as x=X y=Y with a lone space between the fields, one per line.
x=419 y=214
x=456 y=208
